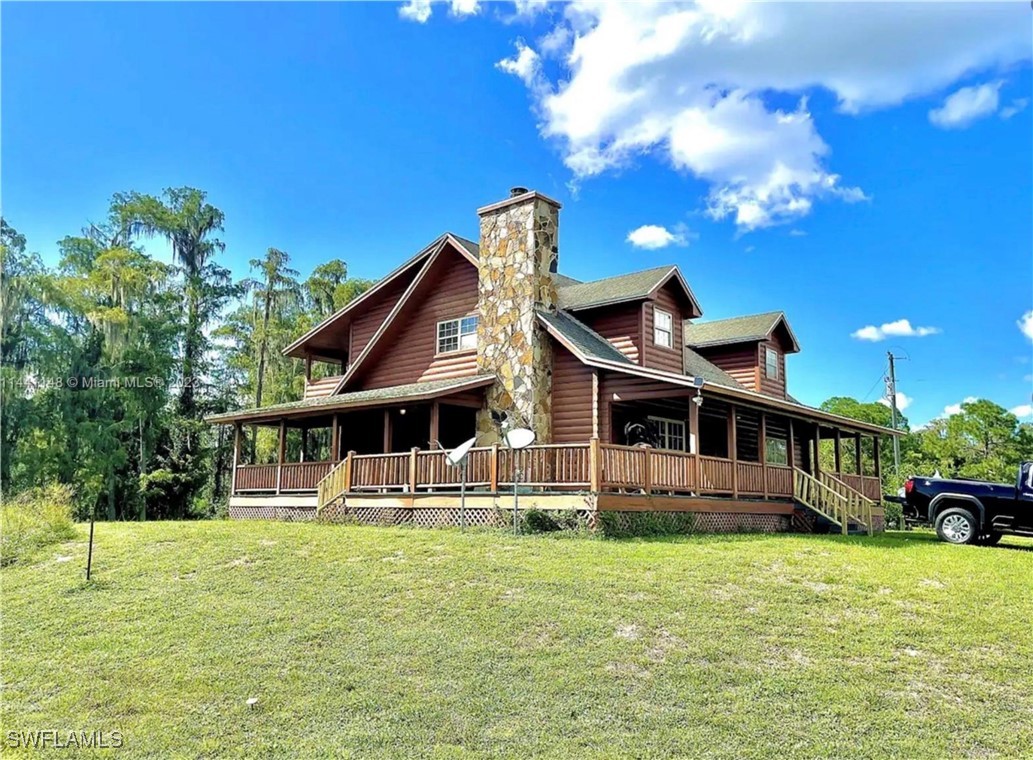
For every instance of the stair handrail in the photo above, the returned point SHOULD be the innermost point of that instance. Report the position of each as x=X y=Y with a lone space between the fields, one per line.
x=858 y=498
x=333 y=484
x=820 y=497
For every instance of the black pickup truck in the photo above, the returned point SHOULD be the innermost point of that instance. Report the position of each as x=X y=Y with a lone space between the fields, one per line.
x=972 y=511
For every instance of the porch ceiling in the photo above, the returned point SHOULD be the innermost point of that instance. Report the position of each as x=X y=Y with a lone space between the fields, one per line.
x=357 y=400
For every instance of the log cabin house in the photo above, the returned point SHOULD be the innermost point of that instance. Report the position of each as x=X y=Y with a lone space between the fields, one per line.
x=637 y=403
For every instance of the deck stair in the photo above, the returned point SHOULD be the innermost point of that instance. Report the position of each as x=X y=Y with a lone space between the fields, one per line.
x=834 y=503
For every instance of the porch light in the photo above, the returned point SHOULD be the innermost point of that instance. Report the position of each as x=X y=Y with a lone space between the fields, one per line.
x=402 y=410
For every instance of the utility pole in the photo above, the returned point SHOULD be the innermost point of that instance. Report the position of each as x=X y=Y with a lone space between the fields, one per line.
x=891 y=393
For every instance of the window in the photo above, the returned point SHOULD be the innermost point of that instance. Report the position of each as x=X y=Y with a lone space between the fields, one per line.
x=663 y=328
x=670 y=434
x=777 y=451
x=457 y=335
x=771 y=363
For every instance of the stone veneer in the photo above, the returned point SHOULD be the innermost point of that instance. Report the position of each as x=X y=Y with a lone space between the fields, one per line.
x=518 y=244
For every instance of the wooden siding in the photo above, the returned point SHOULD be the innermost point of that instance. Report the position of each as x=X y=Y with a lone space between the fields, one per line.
x=572 y=402
x=739 y=361
x=410 y=356
x=771 y=387
x=620 y=324
x=661 y=357
x=365 y=324
x=321 y=388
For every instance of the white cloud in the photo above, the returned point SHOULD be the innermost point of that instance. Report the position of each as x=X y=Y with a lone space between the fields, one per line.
x=529 y=8
x=951 y=409
x=967 y=105
x=901 y=328
x=415 y=10
x=903 y=401
x=420 y=10
x=653 y=236
x=703 y=87
x=1025 y=324
x=525 y=64
x=1017 y=106
x=797 y=233
x=1022 y=411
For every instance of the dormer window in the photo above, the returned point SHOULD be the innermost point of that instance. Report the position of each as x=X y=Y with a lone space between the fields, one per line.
x=457 y=335
x=663 y=328
x=771 y=363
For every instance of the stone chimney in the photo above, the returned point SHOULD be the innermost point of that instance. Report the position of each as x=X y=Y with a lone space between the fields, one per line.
x=518 y=258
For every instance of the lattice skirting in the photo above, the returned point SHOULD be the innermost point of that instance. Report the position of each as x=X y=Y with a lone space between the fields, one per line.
x=287 y=514
x=433 y=517
x=878 y=523
x=699 y=522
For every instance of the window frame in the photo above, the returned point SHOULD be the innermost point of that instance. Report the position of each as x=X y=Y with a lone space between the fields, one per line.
x=784 y=450
x=662 y=426
x=769 y=352
x=657 y=329
x=457 y=336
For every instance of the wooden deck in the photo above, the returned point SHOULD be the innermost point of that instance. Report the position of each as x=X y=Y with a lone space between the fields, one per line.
x=593 y=467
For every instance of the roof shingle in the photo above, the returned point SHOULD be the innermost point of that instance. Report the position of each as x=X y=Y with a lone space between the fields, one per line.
x=624 y=287
x=734 y=330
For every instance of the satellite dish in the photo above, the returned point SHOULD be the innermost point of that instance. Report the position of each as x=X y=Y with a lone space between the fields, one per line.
x=456 y=456
x=519 y=438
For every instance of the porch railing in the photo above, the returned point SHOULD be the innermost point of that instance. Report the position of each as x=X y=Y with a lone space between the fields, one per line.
x=590 y=466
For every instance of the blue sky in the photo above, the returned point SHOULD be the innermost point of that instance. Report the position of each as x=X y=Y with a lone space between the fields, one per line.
x=885 y=177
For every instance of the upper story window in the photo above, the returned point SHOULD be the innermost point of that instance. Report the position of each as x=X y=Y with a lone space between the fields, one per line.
x=663 y=328
x=457 y=334
x=670 y=434
x=771 y=363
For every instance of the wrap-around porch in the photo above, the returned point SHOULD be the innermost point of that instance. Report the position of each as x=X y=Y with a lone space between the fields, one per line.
x=715 y=449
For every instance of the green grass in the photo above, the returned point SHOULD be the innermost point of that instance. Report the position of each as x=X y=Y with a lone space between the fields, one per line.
x=376 y=642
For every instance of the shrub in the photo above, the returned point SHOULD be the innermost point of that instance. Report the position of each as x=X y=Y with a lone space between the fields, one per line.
x=628 y=524
x=536 y=521
x=34 y=519
x=894 y=513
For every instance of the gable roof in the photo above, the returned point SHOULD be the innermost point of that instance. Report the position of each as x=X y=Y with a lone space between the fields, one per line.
x=433 y=247
x=579 y=338
x=633 y=286
x=752 y=327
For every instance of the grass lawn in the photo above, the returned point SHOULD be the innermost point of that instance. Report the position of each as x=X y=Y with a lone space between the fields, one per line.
x=379 y=642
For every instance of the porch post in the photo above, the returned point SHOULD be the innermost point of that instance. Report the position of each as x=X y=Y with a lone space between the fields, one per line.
x=694 y=442
x=839 y=461
x=595 y=403
x=763 y=450
x=387 y=431
x=733 y=450
x=282 y=455
x=435 y=424
x=237 y=431
x=791 y=446
x=304 y=443
x=593 y=465
x=878 y=463
x=858 y=458
x=308 y=369
x=817 y=449
x=335 y=438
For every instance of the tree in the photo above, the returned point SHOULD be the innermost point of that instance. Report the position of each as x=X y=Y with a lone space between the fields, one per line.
x=276 y=291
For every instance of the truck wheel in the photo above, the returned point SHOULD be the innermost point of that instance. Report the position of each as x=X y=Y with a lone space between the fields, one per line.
x=990 y=539
x=957 y=526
